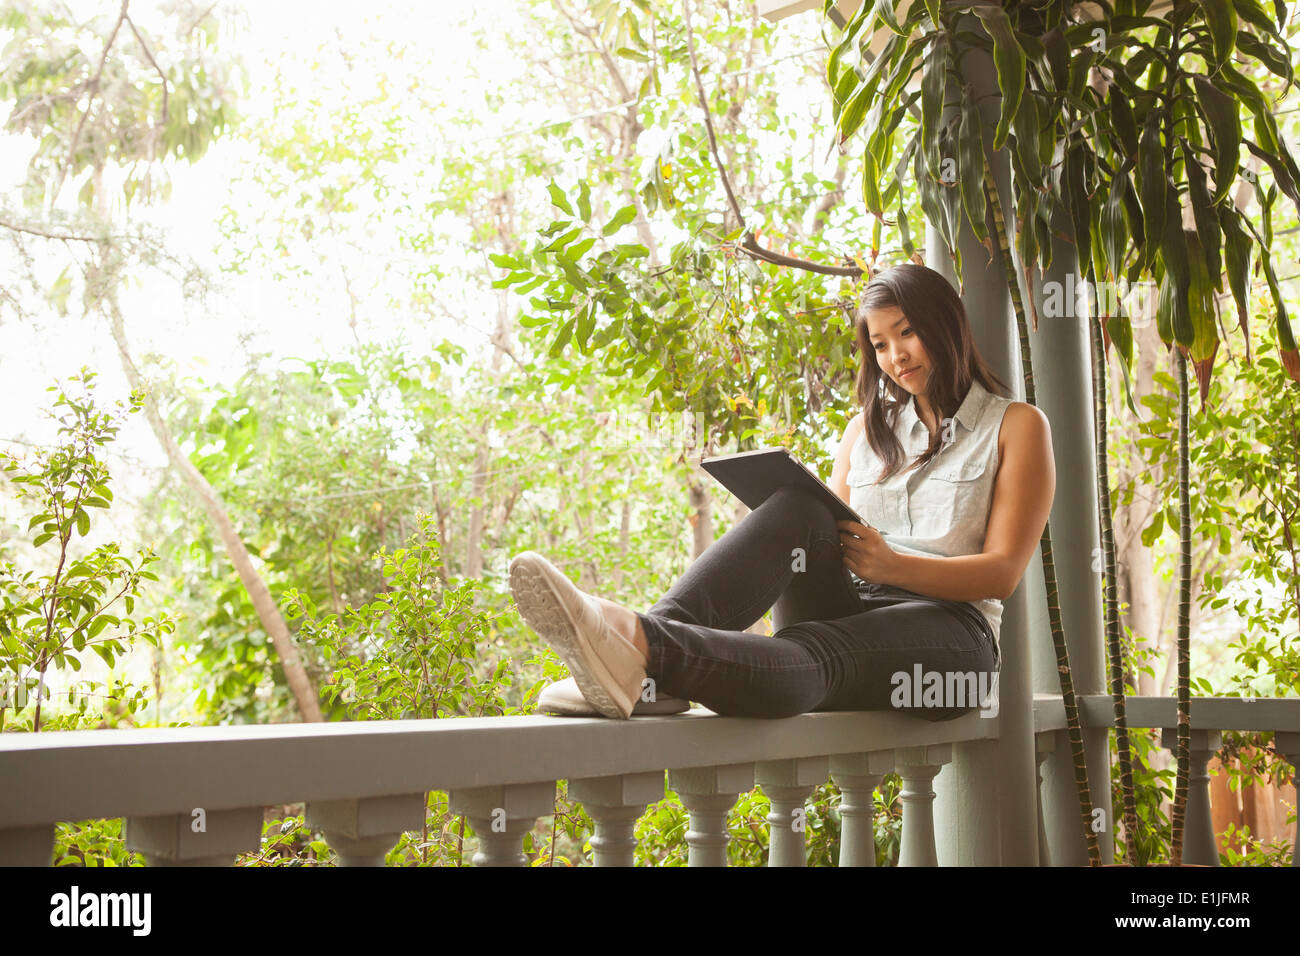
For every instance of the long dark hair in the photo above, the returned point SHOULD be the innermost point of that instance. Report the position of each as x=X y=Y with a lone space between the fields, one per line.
x=937 y=316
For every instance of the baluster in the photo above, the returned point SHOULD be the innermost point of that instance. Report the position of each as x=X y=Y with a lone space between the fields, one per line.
x=857 y=776
x=1044 y=747
x=501 y=815
x=362 y=831
x=27 y=846
x=1199 y=843
x=788 y=784
x=708 y=793
x=198 y=838
x=918 y=767
x=615 y=803
x=1288 y=744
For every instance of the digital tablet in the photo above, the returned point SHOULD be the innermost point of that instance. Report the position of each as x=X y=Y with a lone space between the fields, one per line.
x=753 y=476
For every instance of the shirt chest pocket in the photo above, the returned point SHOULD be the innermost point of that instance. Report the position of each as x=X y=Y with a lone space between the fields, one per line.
x=954 y=494
x=884 y=508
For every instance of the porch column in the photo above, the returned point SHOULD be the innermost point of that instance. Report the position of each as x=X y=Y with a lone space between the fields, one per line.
x=985 y=808
x=1063 y=381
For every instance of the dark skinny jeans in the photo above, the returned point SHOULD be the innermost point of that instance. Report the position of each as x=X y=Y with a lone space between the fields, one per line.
x=833 y=647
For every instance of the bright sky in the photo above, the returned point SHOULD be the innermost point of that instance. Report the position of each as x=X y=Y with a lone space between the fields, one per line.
x=254 y=312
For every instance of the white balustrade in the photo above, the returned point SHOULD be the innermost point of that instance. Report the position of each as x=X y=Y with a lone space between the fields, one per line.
x=708 y=794
x=195 y=796
x=788 y=784
x=918 y=766
x=1199 y=845
x=857 y=776
x=615 y=804
x=501 y=816
x=363 y=831
x=199 y=838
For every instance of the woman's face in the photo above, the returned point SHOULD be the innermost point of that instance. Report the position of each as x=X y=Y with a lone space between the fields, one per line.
x=899 y=352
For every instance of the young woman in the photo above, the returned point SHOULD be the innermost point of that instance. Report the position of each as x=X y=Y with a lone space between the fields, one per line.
x=956 y=483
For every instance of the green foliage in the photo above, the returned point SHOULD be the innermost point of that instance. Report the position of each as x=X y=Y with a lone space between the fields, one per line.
x=93 y=843
x=415 y=651
x=661 y=833
x=1152 y=789
x=1073 y=95
x=1242 y=849
x=708 y=329
x=289 y=842
x=85 y=601
x=1245 y=482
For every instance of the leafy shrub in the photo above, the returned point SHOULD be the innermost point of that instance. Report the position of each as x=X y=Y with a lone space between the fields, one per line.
x=47 y=621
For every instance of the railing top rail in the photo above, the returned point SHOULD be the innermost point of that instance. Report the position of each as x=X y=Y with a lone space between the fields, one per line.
x=76 y=775
x=1207 y=713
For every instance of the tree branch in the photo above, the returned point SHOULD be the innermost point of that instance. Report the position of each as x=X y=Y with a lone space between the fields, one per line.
x=94 y=89
x=749 y=244
x=708 y=120
x=162 y=122
x=32 y=231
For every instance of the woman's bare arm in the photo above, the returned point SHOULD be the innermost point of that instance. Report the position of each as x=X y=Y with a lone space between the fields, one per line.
x=839 y=474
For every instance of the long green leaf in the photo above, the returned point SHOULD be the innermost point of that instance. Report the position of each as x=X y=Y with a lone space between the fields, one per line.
x=1153 y=183
x=934 y=84
x=1133 y=214
x=1285 y=337
x=1221 y=18
x=884 y=10
x=1080 y=208
x=1174 y=251
x=859 y=101
x=1223 y=119
x=1122 y=121
x=1254 y=14
x=1200 y=299
x=1280 y=171
x=1026 y=127
x=971 y=151
x=1237 y=255
x=1277 y=63
x=846 y=43
x=1112 y=228
x=1207 y=222
x=871 y=185
x=1058 y=58
x=1009 y=59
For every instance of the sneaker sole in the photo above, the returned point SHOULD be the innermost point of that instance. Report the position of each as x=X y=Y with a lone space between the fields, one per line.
x=544 y=612
x=664 y=707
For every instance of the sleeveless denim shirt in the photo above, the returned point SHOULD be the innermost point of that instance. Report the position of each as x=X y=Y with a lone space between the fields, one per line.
x=941 y=508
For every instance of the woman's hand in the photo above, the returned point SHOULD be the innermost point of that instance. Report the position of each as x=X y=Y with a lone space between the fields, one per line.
x=865 y=552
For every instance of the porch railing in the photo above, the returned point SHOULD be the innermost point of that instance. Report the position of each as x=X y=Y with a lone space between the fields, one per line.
x=366 y=782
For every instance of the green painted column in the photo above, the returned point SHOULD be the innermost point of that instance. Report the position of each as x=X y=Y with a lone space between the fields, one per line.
x=1063 y=379
x=985 y=811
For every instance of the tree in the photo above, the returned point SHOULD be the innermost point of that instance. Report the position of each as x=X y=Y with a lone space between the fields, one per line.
x=138 y=114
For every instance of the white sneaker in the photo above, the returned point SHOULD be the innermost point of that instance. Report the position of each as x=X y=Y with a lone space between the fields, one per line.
x=564 y=699
x=607 y=668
